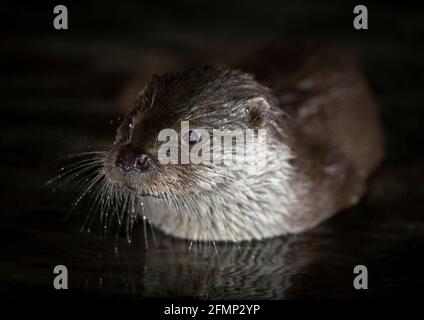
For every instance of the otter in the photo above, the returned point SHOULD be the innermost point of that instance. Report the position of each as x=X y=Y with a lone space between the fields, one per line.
x=323 y=140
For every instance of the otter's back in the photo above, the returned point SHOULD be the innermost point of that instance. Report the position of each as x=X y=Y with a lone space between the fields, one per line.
x=328 y=100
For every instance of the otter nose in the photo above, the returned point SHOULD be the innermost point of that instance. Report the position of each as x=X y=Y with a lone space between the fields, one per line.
x=131 y=159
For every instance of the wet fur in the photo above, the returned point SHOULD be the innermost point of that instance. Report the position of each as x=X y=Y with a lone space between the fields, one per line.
x=323 y=141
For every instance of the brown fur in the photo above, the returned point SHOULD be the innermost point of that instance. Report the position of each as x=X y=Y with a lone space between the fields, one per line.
x=313 y=101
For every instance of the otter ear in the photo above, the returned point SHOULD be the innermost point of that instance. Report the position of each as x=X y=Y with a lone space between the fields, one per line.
x=256 y=108
x=259 y=103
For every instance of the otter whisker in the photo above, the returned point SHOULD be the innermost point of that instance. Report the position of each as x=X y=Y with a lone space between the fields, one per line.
x=80 y=154
x=83 y=177
x=97 y=177
x=107 y=205
x=145 y=232
x=120 y=215
x=152 y=230
x=67 y=176
x=130 y=217
x=95 y=200
x=97 y=196
x=73 y=167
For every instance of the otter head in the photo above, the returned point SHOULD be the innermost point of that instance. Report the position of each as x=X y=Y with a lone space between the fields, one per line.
x=204 y=98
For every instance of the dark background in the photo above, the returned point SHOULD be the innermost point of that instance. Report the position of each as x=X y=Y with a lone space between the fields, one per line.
x=63 y=91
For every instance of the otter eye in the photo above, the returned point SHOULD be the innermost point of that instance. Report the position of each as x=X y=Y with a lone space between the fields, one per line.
x=191 y=137
x=130 y=124
x=128 y=128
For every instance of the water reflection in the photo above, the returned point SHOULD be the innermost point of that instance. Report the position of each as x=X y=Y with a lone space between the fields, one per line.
x=174 y=268
x=251 y=270
x=179 y=268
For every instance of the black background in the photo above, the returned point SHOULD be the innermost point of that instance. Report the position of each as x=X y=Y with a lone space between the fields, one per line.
x=63 y=91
